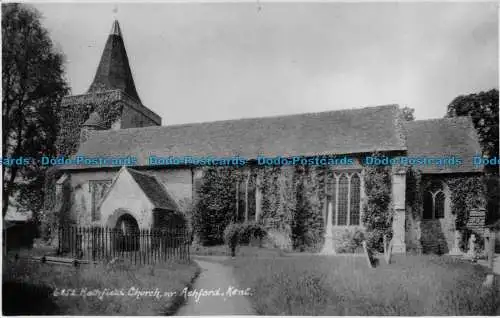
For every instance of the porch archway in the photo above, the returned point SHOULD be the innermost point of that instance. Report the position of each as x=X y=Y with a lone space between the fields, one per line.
x=126 y=231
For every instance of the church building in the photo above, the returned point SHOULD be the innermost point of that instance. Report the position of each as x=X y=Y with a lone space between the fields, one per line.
x=110 y=121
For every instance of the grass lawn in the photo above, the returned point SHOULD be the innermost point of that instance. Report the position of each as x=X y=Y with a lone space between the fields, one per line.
x=40 y=286
x=223 y=250
x=343 y=285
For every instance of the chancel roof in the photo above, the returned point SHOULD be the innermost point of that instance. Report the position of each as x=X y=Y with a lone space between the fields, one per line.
x=442 y=137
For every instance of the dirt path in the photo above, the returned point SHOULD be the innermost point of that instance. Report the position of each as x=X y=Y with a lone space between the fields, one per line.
x=216 y=292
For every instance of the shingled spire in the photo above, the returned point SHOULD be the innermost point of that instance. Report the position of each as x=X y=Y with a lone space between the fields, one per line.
x=114 y=71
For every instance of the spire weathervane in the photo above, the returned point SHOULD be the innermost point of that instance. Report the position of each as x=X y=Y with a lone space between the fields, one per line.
x=115 y=12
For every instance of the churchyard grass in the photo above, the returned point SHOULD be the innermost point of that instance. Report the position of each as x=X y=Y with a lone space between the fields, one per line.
x=223 y=250
x=345 y=285
x=32 y=287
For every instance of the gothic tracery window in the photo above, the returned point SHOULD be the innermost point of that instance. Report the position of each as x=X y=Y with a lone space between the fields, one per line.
x=344 y=192
x=434 y=201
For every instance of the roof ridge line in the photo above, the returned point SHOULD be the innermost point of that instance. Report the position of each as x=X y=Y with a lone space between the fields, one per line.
x=139 y=172
x=254 y=118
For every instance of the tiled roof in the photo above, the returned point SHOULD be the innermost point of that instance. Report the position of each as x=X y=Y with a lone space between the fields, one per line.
x=154 y=190
x=361 y=130
x=114 y=70
x=443 y=137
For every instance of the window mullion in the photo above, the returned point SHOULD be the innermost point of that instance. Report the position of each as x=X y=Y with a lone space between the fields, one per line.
x=336 y=199
x=433 y=205
x=348 y=199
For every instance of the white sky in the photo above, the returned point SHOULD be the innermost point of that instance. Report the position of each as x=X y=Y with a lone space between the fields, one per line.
x=196 y=62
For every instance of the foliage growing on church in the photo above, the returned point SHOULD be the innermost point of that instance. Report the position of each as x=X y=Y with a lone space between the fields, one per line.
x=215 y=206
x=291 y=203
x=308 y=223
x=467 y=193
x=414 y=192
x=71 y=119
x=52 y=219
x=378 y=210
x=74 y=115
x=483 y=108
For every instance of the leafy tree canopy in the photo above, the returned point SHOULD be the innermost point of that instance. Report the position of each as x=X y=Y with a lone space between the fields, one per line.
x=483 y=109
x=33 y=84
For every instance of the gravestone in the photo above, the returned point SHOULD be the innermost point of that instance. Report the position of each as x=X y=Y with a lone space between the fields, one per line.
x=456 y=244
x=477 y=220
x=367 y=254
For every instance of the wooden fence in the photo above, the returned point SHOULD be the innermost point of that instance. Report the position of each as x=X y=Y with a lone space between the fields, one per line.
x=148 y=246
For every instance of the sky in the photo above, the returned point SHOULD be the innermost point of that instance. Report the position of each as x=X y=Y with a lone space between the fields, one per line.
x=195 y=62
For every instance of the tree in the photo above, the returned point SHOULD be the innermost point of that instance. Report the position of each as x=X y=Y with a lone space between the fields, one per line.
x=408 y=113
x=483 y=108
x=33 y=85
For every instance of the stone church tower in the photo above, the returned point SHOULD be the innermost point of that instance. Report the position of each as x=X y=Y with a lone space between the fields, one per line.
x=111 y=102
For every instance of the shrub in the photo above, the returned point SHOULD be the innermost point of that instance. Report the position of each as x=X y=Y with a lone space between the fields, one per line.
x=250 y=231
x=244 y=233
x=350 y=241
x=278 y=239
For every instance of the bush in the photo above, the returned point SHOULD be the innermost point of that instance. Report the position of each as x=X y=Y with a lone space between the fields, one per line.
x=243 y=233
x=375 y=239
x=250 y=231
x=350 y=241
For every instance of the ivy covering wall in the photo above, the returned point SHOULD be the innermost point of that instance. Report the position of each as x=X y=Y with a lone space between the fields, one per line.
x=291 y=203
x=378 y=211
x=215 y=205
x=73 y=115
x=467 y=193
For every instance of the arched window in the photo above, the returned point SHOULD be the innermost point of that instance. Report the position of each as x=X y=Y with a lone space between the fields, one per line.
x=434 y=201
x=344 y=192
x=439 y=199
